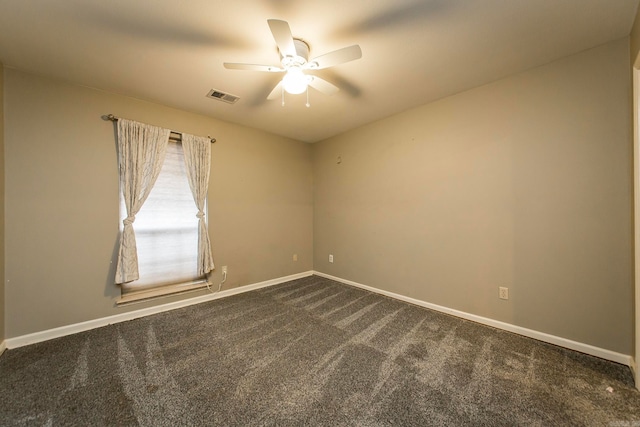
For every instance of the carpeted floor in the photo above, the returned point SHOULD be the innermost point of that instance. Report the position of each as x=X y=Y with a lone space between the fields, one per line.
x=309 y=352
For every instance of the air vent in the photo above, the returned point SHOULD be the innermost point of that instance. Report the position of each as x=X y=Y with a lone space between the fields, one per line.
x=221 y=96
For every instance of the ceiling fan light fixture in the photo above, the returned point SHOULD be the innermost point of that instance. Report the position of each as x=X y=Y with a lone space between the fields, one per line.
x=295 y=81
x=294 y=57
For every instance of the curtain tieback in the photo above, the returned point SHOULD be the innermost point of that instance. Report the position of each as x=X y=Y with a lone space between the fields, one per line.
x=129 y=220
x=200 y=214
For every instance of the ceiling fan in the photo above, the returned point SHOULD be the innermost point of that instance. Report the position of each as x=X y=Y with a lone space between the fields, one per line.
x=295 y=61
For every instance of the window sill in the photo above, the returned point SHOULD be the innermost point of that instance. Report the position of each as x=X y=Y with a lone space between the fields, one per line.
x=164 y=291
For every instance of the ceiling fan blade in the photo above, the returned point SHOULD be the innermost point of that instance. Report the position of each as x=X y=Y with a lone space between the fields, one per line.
x=336 y=57
x=276 y=92
x=282 y=35
x=322 y=85
x=253 y=67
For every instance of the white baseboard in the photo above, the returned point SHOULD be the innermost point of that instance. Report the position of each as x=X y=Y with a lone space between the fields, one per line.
x=541 y=336
x=96 y=323
x=123 y=317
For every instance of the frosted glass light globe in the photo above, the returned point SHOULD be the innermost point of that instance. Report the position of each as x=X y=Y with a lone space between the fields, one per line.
x=294 y=81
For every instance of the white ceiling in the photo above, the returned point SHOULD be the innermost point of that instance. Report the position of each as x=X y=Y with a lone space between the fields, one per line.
x=414 y=51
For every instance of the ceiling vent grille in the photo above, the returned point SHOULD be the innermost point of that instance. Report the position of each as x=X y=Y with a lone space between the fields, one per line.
x=221 y=96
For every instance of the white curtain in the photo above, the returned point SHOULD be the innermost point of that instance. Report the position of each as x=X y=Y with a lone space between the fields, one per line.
x=141 y=152
x=197 y=157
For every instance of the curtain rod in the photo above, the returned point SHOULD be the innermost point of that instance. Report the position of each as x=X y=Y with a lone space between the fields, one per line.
x=115 y=119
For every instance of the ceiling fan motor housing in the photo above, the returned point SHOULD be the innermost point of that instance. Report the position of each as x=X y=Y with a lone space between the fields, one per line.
x=302 y=55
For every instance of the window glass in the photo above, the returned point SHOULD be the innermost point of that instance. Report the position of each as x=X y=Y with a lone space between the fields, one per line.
x=166 y=228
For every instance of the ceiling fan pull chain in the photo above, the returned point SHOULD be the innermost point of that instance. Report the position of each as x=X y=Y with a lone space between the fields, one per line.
x=308 y=105
x=283 y=95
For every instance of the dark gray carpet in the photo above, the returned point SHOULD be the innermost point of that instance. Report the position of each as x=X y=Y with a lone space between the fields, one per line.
x=309 y=352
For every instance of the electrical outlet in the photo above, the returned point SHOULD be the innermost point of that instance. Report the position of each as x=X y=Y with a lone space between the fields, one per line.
x=330 y=258
x=295 y=257
x=503 y=293
x=224 y=268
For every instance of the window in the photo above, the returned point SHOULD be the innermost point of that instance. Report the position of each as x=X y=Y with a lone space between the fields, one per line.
x=166 y=230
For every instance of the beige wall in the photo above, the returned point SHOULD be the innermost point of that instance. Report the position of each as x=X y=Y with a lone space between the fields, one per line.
x=62 y=201
x=635 y=61
x=524 y=183
x=2 y=305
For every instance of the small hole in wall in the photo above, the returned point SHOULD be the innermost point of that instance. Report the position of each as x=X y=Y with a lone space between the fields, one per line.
x=339 y=160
